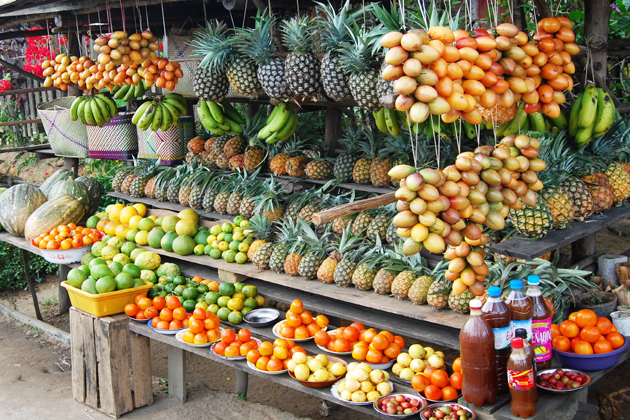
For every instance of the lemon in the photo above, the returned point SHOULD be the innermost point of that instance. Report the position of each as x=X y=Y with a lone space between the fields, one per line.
x=121 y=231
x=109 y=208
x=186 y=227
x=224 y=246
x=141 y=237
x=211 y=239
x=146 y=224
x=154 y=218
x=215 y=244
x=141 y=209
x=115 y=214
x=126 y=214
x=134 y=221
x=110 y=228
x=188 y=214
x=235 y=304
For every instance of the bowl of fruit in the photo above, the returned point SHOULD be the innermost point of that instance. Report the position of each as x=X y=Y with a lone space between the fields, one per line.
x=66 y=244
x=592 y=361
x=447 y=412
x=562 y=380
x=399 y=405
x=320 y=371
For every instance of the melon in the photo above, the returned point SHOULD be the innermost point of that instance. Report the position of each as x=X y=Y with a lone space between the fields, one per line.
x=58 y=211
x=72 y=188
x=95 y=192
x=49 y=183
x=17 y=204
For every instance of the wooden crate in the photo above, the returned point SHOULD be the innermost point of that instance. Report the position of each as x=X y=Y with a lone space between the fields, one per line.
x=111 y=367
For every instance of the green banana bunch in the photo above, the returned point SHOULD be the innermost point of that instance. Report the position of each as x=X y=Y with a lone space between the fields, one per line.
x=161 y=114
x=93 y=110
x=129 y=92
x=592 y=115
x=517 y=124
x=536 y=121
x=220 y=118
x=281 y=124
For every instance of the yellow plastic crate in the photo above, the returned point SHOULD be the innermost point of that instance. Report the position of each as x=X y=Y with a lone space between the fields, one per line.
x=105 y=303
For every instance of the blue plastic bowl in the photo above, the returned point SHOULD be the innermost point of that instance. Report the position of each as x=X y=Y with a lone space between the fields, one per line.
x=591 y=361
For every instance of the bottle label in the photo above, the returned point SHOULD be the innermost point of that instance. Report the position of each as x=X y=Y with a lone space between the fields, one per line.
x=521 y=380
x=502 y=337
x=541 y=339
x=526 y=325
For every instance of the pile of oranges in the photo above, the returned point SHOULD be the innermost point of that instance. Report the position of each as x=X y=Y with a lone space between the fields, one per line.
x=203 y=327
x=168 y=314
x=340 y=340
x=436 y=385
x=235 y=344
x=301 y=324
x=67 y=237
x=585 y=333
x=274 y=357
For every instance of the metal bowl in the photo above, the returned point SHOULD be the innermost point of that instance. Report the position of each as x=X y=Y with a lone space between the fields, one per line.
x=263 y=317
x=423 y=404
x=473 y=414
x=560 y=391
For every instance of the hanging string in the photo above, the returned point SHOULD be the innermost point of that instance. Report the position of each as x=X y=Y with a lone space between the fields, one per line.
x=109 y=17
x=510 y=10
x=165 y=35
x=402 y=12
x=423 y=10
x=135 y=20
x=98 y=13
x=146 y=13
x=244 y=15
x=49 y=38
x=459 y=138
x=298 y=7
x=122 y=14
x=232 y=18
x=205 y=17
x=88 y=45
x=76 y=21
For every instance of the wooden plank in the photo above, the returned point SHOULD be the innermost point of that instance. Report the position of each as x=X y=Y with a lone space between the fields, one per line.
x=63 y=298
x=141 y=365
x=520 y=247
x=22 y=122
x=242 y=380
x=77 y=350
x=31 y=283
x=20 y=70
x=118 y=345
x=104 y=366
x=333 y=129
x=90 y=360
x=177 y=372
x=582 y=248
x=354 y=207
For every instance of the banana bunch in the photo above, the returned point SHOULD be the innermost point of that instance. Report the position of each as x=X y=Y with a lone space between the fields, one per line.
x=161 y=114
x=129 y=92
x=220 y=118
x=93 y=110
x=592 y=115
x=281 y=124
x=391 y=121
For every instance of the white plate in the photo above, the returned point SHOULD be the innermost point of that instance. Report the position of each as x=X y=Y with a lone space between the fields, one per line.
x=342 y=353
x=253 y=366
x=180 y=334
x=382 y=366
x=139 y=321
x=165 y=332
x=232 y=358
x=335 y=393
x=276 y=332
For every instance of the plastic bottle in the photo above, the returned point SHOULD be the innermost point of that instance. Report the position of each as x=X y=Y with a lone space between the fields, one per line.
x=497 y=314
x=521 y=380
x=529 y=351
x=541 y=324
x=476 y=342
x=521 y=308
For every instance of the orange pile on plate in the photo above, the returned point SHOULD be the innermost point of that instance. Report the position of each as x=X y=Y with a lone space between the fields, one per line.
x=585 y=333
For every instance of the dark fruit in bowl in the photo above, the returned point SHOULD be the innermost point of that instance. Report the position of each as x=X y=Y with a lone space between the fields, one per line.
x=399 y=405
x=447 y=412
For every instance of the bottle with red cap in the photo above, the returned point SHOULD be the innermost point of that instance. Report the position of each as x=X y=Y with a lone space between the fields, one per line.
x=476 y=341
x=521 y=381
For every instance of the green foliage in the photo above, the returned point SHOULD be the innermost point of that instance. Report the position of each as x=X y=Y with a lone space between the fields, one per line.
x=12 y=271
x=21 y=160
x=16 y=135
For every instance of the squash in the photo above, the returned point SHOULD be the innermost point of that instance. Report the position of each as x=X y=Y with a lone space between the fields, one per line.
x=58 y=211
x=72 y=188
x=95 y=192
x=16 y=205
x=50 y=182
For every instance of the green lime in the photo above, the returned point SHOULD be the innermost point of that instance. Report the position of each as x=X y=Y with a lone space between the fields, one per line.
x=96 y=261
x=105 y=284
x=131 y=235
x=132 y=269
x=201 y=304
x=100 y=271
x=189 y=305
x=214 y=308
x=202 y=237
x=212 y=297
x=92 y=221
x=203 y=288
x=116 y=267
x=138 y=282
x=215 y=230
x=179 y=290
x=89 y=286
x=227 y=227
x=169 y=288
x=227 y=289
x=260 y=301
x=245 y=310
x=215 y=253
x=249 y=291
x=146 y=224
x=250 y=302
x=179 y=280
x=229 y=256
x=207 y=249
x=153 y=292
x=223 y=301
x=124 y=281
x=228 y=237
x=234 y=245
x=223 y=314
x=76 y=277
x=190 y=293
x=240 y=257
x=238 y=295
x=220 y=236
x=235 y=304
x=235 y=317
x=237 y=220
x=248 y=240
x=238 y=286
x=127 y=248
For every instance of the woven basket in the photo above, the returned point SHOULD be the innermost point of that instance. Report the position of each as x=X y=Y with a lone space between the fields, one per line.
x=169 y=146
x=117 y=139
x=66 y=137
x=179 y=50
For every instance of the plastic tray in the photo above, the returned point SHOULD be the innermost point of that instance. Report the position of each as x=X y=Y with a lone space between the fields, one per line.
x=105 y=303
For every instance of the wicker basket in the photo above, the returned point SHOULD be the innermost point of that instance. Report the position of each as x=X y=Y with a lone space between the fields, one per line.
x=66 y=137
x=179 y=50
x=117 y=139
x=169 y=146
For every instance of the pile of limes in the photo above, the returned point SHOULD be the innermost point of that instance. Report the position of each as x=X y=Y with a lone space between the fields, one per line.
x=230 y=241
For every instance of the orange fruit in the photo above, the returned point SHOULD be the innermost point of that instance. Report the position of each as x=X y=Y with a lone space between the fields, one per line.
x=555 y=330
x=262 y=362
x=359 y=353
x=296 y=349
x=586 y=318
x=301 y=332
x=312 y=328
x=457 y=365
x=166 y=314
x=159 y=303
x=380 y=342
x=162 y=325
x=602 y=346
x=282 y=342
x=296 y=307
x=419 y=382
x=188 y=337
x=590 y=333
x=245 y=349
x=390 y=336
x=154 y=322
x=210 y=323
x=200 y=339
x=199 y=313
x=322 y=321
x=369 y=335
x=428 y=371
x=339 y=332
x=287 y=331
x=131 y=309
x=173 y=302
x=358 y=325
x=213 y=335
x=342 y=345
x=266 y=348
x=179 y=313
x=449 y=393
x=573 y=316
x=175 y=325
x=232 y=351
x=253 y=356
x=457 y=380
x=244 y=335
x=614 y=328
x=321 y=338
x=374 y=356
x=433 y=392
x=392 y=351
x=275 y=365
x=582 y=347
x=561 y=343
x=140 y=315
x=604 y=325
x=306 y=317
x=294 y=320
x=439 y=378
x=220 y=347
x=196 y=326
x=617 y=340
x=574 y=341
x=144 y=303
x=351 y=334
x=569 y=329
x=228 y=336
x=150 y=312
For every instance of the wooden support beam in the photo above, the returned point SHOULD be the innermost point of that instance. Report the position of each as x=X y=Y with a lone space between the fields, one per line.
x=29 y=90
x=20 y=71
x=543 y=8
x=8 y=124
x=596 y=21
x=31 y=283
x=333 y=129
x=354 y=207
x=23 y=34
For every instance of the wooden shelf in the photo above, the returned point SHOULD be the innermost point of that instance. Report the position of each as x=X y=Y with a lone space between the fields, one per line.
x=529 y=249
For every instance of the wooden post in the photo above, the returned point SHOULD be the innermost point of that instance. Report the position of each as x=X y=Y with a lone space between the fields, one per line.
x=73 y=49
x=252 y=109
x=333 y=129
x=583 y=248
x=543 y=8
x=31 y=283
x=242 y=379
x=596 y=21
x=177 y=373
x=141 y=362
x=354 y=207
x=71 y=164
x=62 y=296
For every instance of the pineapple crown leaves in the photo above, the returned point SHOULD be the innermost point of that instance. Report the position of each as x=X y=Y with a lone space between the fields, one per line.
x=347 y=242
x=269 y=198
x=298 y=35
x=213 y=43
x=375 y=256
x=258 y=42
x=261 y=227
x=317 y=245
x=331 y=26
x=253 y=126
x=351 y=138
x=359 y=54
x=560 y=160
x=440 y=17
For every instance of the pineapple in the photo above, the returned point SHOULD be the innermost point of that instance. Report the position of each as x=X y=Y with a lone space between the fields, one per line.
x=223 y=196
x=138 y=185
x=210 y=193
x=391 y=236
x=296 y=166
x=262 y=230
x=357 y=58
x=379 y=168
x=149 y=189
x=287 y=236
x=344 y=164
x=332 y=34
x=209 y=81
x=419 y=290
x=402 y=283
x=282 y=152
x=437 y=297
x=619 y=182
x=306 y=213
x=294 y=204
x=162 y=183
x=302 y=68
x=259 y=43
x=219 y=144
x=197 y=193
x=460 y=303
x=379 y=225
x=316 y=252
x=347 y=243
x=338 y=225
x=532 y=222
x=268 y=201
x=361 y=223
x=346 y=267
x=558 y=162
x=603 y=152
x=385 y=277
x=222 y=161
x=196 y=145
x=209 y=143
x=361 y=173
x=237 y=162
x=120 y=177
x=262 y=255
x=234 y=146
x=365 y=273
x=241 y=72
x=248 y=204
x=601 y=192
x=292 y=263
x=319 y=169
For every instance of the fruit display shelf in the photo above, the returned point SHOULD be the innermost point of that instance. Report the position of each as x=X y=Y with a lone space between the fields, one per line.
x=166 y=205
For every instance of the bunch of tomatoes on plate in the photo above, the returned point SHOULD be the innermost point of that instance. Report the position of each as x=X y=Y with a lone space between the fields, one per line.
x=164 y=313
x=436 y=384
x=234 y=344
x=274 y=357
x=301 y=324
x=585 y=333
x=68 y=236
